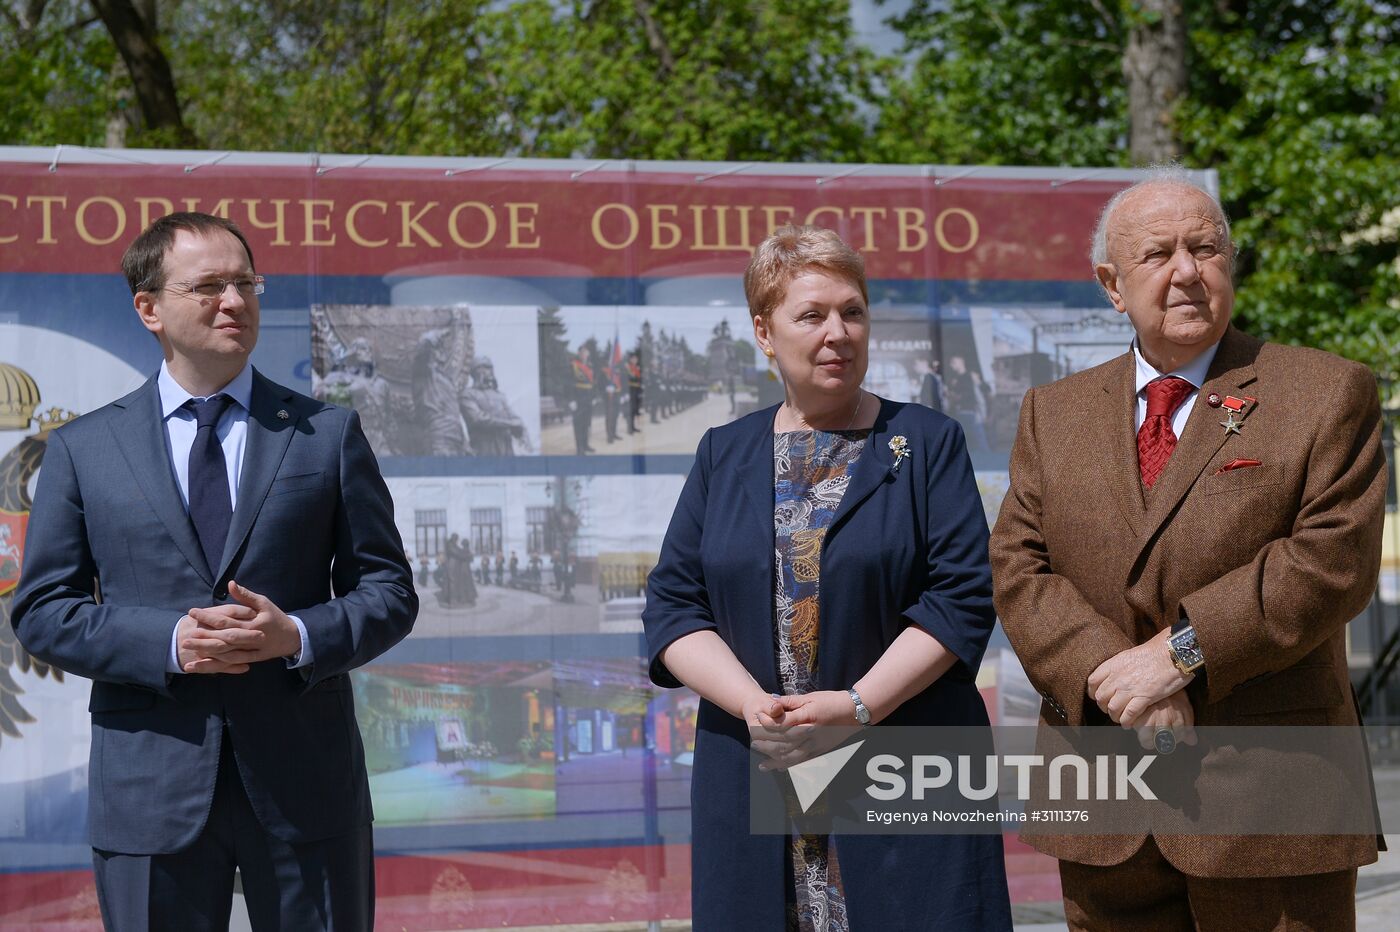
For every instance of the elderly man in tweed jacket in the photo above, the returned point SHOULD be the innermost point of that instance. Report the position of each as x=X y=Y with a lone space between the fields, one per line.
x=1188 y=530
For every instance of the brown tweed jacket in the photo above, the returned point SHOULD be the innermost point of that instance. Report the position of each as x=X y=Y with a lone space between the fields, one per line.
x=1270 y=562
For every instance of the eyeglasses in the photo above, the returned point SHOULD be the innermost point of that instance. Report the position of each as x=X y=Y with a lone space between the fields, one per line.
x=215 y=287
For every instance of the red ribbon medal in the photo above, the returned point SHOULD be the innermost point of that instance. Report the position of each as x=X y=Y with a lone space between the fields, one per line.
x=1232 y=407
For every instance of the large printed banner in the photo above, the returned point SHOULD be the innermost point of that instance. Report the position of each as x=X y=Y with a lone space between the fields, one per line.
x=535 y=348
x=605 y=223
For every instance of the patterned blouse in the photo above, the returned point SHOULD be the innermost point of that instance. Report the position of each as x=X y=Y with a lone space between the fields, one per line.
x=811 y=469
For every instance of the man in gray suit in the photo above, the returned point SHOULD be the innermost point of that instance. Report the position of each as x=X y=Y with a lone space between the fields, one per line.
x=215 y=552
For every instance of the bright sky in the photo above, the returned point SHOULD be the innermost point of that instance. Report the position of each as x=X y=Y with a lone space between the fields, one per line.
x=868 y=17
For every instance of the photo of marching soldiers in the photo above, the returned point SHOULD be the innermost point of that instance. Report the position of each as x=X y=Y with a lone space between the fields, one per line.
x=629 y=380
x=517 y=555
x=431 y=381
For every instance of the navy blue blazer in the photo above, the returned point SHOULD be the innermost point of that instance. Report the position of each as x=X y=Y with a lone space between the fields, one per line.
x=908 y=545
x=111 y=563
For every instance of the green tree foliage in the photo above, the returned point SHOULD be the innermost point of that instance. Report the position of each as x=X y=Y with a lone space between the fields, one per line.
x=329 y=76
x=56 y=66
x=648 y=79
x=1296 y=103
x=1007 y=82
x=714 y=79
x=1301 y=116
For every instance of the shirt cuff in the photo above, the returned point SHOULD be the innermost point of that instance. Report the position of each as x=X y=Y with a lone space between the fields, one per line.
x=172 y=660
x=303 y=657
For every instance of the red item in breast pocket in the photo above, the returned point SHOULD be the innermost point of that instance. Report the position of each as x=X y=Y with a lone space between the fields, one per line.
x=1237 y=464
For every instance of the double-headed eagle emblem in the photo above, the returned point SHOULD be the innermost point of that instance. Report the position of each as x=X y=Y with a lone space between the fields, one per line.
x=19 y=400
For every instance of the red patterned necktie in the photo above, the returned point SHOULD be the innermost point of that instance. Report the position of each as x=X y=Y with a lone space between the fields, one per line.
x=1156 y=440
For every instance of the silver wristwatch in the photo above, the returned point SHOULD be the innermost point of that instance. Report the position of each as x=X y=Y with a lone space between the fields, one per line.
x=1185 y=652
x=862 y=713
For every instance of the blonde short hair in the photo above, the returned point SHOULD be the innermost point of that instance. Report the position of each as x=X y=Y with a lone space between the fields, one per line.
x=788 y=252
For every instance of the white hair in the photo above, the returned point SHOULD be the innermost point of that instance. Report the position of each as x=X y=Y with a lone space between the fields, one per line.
x=1170 y=175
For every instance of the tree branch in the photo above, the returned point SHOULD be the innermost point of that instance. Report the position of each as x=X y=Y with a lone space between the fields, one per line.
x=1109 y=48
x=1154 y=63
x=74 y=28
x=33 y=12
x=1108 y=19
x=426 y=55
x=150 y=71
x=655 y=39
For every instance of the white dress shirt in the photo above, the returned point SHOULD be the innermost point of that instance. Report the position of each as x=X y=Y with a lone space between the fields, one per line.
x=232 y=431
x=1193 y=372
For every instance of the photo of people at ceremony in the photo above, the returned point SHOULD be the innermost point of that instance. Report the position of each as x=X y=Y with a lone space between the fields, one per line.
x=602 y=756
x=431 y=381
x=976 y=364
x=459 y=742
x=532 y=554
x=629 y=380
x=1027 y=345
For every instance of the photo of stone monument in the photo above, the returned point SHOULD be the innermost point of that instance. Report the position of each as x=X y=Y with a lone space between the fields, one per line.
x=431 y=381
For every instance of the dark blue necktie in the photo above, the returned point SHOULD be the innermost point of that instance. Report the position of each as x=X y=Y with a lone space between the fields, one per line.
x=210 y=507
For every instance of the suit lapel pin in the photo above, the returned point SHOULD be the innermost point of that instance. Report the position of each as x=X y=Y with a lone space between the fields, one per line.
x=1232 y=407
x=1213 y=399
x=899 y=446
x=283 y=415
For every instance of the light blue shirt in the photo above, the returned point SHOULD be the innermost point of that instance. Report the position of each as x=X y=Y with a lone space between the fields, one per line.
x=232 y=431
x=1193 y=372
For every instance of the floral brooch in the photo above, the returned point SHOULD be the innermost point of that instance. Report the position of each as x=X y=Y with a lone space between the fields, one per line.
x=899 y=446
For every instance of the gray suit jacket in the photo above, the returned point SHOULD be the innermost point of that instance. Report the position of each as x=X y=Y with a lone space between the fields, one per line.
x=112 y=562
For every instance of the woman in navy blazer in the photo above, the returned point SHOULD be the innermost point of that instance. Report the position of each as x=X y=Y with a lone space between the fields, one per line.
x=904 y=614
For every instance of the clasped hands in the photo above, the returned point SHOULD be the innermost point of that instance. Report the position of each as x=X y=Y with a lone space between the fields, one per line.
x=1141 y=688
x=227 y=638
x=791 y=729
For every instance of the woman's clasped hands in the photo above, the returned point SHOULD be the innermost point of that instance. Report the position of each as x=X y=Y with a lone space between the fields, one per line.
x=788 y=730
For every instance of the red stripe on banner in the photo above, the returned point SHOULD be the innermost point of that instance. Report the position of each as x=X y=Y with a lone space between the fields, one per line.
x=487 y=889
x=414 y=222
x=49 y=901
x=495 y=889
